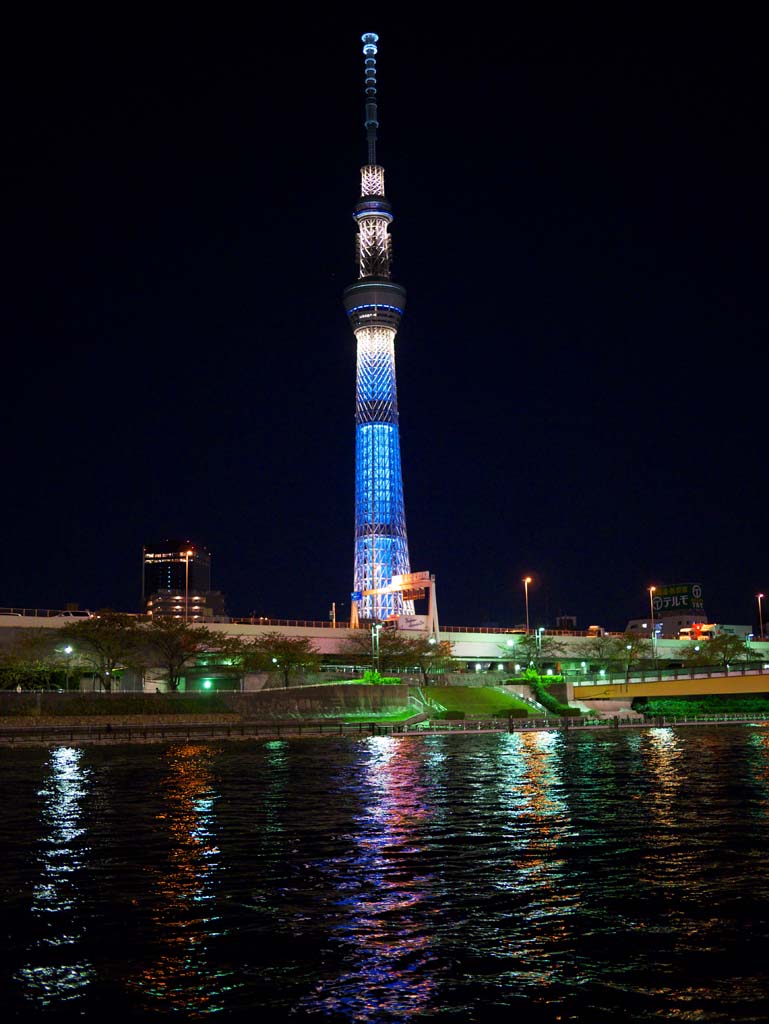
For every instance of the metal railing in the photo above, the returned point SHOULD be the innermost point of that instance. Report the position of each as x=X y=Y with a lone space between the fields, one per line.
x=191 y=731
x=168 y=732
x=517 y=631
x=260 y=620
x=669 y=675
x=47 y=613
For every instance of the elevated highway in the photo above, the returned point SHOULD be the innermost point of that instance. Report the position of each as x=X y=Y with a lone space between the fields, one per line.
x=483 y=650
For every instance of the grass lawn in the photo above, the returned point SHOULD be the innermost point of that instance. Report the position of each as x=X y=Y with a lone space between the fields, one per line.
x=475 y=700
x=376 y=716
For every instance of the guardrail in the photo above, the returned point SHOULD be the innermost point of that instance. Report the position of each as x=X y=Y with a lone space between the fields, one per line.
x=517 y=631
x=47 y=613
x=132 y=733
x=258 y=620
x=734 y=718
x=671 y=675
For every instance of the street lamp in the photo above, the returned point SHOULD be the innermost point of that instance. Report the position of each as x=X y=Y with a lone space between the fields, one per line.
x=375 y=628
x=654 y=633
x=68 y=651
x=538 y=632
x=760 y=617
x=526 y=582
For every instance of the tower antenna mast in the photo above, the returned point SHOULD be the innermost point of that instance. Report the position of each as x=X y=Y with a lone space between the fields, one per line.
x=370 y=40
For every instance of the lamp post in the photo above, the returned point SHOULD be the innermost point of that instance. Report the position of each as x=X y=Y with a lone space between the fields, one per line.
x=540 y=632
x=760 y=617
x=375 y=628
x=526 y=582
x=654 y=633
x=187 y=555
x=68 y=651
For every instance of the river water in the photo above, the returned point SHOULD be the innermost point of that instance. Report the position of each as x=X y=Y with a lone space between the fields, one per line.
x=457 y=878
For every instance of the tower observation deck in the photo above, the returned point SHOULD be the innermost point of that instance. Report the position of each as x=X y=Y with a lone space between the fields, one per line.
x=374 y=306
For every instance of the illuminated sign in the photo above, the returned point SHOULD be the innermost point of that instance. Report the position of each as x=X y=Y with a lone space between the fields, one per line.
x=411 y=578
x=680 y=597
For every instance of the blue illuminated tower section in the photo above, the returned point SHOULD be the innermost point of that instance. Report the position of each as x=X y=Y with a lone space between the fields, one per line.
x=374 y=305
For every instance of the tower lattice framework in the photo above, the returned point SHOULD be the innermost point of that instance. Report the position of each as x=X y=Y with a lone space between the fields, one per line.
x=374 y=305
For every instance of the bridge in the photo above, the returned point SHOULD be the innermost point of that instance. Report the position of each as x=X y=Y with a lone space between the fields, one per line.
x=676 y=684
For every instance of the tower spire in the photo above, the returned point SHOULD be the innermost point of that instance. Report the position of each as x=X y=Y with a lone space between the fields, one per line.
x=374 y=306
x=369 y=40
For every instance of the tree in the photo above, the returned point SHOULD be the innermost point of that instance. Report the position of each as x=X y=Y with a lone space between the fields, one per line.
x=277 y=652
x=106 y=643
x=534 y=649
x=397 y=650
x=636 y=649
x=604 y=651
x=720 y=651
x=174 y=644
x=30 y=661
x=359 y=648
x=616 y=653
x=422 y=652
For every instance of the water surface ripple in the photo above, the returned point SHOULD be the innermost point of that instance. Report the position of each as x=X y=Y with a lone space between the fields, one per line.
x=563 y=877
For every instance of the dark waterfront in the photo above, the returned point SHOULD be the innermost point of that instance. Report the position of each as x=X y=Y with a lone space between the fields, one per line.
x=466 y=878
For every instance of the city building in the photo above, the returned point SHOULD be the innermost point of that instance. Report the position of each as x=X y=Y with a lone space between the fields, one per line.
x=176 y=582
x=374 y=305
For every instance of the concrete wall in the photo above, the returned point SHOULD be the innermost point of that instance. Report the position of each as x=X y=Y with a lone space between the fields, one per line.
x=321 y=701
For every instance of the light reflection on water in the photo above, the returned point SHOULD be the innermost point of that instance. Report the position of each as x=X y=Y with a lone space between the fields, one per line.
x=177 y=978
x=382 y=936
x=62 y=857
x=534 y=935
x=548 y=876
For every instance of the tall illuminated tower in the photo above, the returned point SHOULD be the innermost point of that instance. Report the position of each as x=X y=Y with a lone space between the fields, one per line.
x=374 y=305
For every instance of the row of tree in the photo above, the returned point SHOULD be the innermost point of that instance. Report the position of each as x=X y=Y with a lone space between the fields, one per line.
x=617 y=654
x=111 y=643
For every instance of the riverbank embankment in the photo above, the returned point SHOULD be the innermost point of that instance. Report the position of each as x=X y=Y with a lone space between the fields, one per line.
x=173 y=731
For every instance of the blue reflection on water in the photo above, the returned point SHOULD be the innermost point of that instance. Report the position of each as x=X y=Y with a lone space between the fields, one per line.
x=382 y=935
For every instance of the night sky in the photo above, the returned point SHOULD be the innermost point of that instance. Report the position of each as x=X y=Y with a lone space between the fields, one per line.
x=581 y=225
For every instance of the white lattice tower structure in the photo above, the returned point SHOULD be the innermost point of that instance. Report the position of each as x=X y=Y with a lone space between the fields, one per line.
x=374 y=306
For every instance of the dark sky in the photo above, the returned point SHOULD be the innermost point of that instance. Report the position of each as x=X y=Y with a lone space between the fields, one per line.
x=581 y=225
